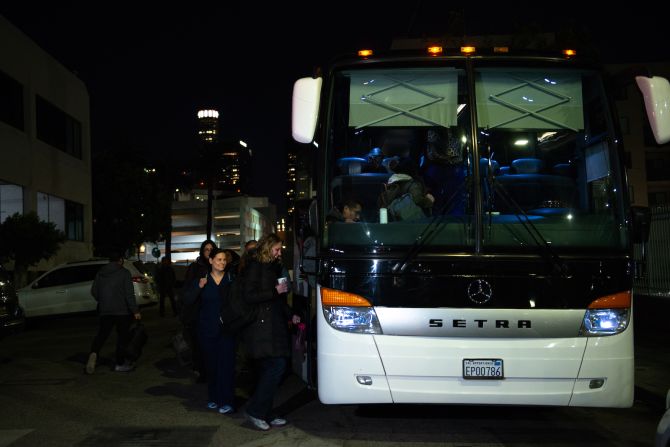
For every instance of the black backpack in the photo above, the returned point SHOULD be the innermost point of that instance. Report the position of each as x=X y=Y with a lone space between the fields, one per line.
x=236 y=313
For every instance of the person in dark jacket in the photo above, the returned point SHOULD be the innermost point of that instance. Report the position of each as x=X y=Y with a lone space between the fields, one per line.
x=218 y=349
x=114 y=292
x=198 y=269
x=267 y=339
x=247 y=255
x=406 y=180
x=347 y=211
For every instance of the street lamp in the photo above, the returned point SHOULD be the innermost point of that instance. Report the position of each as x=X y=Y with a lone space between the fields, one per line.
x=208 y=120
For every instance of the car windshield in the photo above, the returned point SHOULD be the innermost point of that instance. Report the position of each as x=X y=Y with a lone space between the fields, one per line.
x=546 y=157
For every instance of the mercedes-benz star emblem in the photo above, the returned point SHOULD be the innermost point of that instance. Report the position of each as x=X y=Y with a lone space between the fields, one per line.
x=480 y=291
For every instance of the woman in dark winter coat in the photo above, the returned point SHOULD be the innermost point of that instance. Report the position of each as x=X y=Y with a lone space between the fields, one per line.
x=200 y=268
x=218 y=349
x=188 y=316
x=267 y=339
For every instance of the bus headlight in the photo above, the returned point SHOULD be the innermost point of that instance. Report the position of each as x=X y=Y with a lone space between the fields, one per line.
x=362 y=320
x=599 y=322
x=607 y=315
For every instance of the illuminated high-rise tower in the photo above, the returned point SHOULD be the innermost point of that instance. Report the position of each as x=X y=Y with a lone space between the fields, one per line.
x=208 y=125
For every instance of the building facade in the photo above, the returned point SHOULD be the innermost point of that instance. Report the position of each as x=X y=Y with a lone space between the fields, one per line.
x=45 y=154
x=235 y=220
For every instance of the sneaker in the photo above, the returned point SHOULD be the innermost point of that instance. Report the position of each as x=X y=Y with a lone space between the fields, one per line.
x=258 y=423
x=278 y=422
x=212 y=405
x=126 y=367
x=90 y=364
x=226 y=409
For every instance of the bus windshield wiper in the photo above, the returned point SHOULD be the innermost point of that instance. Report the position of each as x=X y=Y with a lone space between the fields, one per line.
x=530 y=228
x=429 y=231
x=433 y=228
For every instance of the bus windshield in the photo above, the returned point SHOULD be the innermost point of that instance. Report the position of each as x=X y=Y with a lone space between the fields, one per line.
x=542 y=155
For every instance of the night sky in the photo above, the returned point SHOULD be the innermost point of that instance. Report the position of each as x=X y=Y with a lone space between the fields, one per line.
x=148 y=70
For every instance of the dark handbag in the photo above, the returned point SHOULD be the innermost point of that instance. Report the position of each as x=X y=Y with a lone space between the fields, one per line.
x=189 y=303
x=137 y=339
x=182 y=349
x=236 y=313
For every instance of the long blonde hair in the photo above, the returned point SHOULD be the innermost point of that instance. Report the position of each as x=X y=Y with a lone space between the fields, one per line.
x=264 y=248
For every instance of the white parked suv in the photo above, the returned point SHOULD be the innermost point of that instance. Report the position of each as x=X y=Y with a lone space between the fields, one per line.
x=67 y=289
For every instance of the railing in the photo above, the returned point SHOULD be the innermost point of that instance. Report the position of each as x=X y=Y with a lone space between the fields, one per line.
x=654 y=274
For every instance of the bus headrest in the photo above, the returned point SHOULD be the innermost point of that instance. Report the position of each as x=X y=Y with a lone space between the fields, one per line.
x=351 y=165
x=527 y=165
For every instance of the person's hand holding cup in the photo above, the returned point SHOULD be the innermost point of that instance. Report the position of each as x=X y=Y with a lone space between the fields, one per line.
x=282 y=285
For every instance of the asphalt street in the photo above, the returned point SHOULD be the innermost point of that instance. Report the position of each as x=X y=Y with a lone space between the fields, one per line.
x=46 y=399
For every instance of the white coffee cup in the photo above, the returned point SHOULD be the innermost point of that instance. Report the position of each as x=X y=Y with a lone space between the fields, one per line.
x=281 y=280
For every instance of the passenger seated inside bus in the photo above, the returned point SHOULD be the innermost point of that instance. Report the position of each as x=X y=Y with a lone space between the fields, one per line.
x=405 y=195
x=374 y=161
x=365 y=187
x=348 y=211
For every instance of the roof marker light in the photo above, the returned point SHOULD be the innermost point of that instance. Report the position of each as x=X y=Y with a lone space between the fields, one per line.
x=434 y=50
x=501 y=49
x=468 y=50
x=569 y=53
x=365 y=53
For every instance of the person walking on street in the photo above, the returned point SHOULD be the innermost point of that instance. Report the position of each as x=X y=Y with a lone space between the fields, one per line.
x=166 y=279
x=267 y=339
x=189 y=318
x=247 y=255
x=113 y=290
x=218 y=349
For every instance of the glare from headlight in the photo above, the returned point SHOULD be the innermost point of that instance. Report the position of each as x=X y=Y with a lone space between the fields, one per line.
x=361 y=320
x=598 y=322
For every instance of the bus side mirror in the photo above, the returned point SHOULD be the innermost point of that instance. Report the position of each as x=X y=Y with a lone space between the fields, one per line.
x=641 y=220
x=656 y=94
x=306 y=95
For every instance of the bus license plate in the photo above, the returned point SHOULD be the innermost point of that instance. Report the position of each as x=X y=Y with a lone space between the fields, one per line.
x=483 y=369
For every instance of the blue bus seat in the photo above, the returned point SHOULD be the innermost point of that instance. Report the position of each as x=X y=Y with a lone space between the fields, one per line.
x=533 y=187
x=351 y=165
